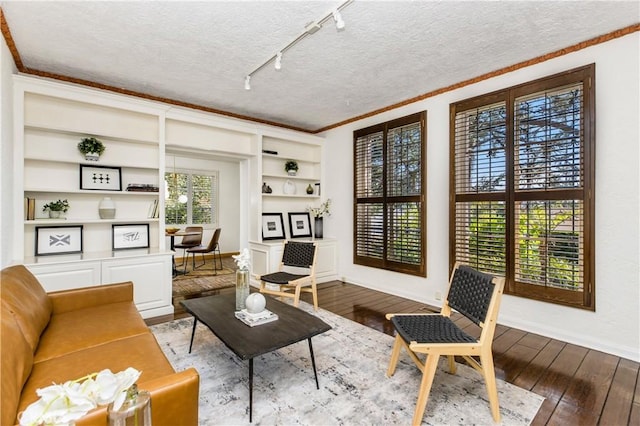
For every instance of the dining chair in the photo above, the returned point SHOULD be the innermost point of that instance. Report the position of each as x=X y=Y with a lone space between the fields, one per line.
x=189 y=241
x=477 y=297
x=212 y=247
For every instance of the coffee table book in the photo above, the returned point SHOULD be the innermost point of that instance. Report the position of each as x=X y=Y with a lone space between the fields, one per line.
x=256 y=319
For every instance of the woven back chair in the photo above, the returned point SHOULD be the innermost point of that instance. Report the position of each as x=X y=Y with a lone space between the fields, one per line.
x=296 y=273
x=476 y=296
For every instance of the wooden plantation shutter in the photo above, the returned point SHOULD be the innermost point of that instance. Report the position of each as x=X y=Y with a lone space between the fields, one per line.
x=389 y=194
x=522 y=179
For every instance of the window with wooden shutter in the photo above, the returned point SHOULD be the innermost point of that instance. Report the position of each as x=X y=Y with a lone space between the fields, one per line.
x=522 y=170
x=191 y=198
x=389 y=194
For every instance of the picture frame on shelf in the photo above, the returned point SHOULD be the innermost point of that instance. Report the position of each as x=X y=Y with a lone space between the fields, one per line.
x=60 y=239
x=299 y=225
x=130 y=236
x=100 y=178
x=272 y=226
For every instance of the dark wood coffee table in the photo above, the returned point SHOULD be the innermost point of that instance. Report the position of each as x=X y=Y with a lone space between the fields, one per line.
x=293 y=325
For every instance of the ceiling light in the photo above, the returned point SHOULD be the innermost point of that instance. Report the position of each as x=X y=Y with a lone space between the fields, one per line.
x=309 y=29
x=338 y=18
x=278 y=64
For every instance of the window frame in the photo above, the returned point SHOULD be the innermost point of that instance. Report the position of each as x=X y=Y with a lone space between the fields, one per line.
x=584 y=299
x=215 y=189
x=385 y=262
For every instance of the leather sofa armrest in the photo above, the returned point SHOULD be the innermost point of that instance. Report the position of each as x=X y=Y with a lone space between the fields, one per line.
x=87 y=297
x=174 y=401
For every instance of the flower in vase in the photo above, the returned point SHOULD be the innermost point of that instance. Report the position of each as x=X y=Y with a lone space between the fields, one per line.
x=324 y=209
x=64 y=404
x=243 y=260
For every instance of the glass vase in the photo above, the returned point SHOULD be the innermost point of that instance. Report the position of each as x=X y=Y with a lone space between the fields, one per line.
x=242 y=288
x=317 y=227
x=135 y=410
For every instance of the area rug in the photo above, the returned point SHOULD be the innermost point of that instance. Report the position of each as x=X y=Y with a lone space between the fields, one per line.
x=352 y=362
x=202 y=280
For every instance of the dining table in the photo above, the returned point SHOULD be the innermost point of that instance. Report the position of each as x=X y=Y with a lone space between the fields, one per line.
x=172 y=237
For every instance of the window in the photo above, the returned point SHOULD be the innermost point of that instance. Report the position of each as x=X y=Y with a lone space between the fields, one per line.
x=522 y=170
x=389 y=194
x=191 y=198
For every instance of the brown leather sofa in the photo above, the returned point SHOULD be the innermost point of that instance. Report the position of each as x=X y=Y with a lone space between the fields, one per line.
x=65 y=335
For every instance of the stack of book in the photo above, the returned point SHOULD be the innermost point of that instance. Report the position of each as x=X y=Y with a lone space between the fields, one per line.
x=256 y=319
x=142 y=187
x=154 y=211
x=30 y=208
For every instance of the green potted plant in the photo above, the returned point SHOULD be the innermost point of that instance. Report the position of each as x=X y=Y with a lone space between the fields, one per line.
x=92 y=148
x=56 y=208
x=291 y=167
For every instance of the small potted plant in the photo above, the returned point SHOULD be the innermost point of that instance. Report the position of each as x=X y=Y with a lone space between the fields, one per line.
x=92 y=148
x=291 y=167
x=56 y=208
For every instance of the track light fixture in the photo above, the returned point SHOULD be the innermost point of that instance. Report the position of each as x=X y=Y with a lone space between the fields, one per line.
x=309 y=29
x=338 y=18
x=278 y=64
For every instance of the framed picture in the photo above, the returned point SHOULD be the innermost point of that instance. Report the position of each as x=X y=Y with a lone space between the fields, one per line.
x=100 y=178
x=272 y=226
x=58 y=239
x=299 y=225
x=130 y=236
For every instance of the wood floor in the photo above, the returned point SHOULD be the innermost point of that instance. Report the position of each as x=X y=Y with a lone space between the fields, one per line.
x=580 y=386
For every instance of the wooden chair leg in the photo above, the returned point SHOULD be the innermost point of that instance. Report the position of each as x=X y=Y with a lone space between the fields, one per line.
x=395 y=354
x=452 y=364
x=431 y=363
x=296 y=297
x=490 y=380
x=314 y=292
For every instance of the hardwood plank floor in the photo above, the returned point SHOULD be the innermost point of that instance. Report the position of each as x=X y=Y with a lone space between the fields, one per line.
x=581 y=386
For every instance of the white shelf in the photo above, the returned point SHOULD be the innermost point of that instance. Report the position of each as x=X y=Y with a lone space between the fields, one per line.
x=73 y=132
x=285 y=177
x=80 y=221
x=90 y=192
x=290 y=196
x=75 y=163
x=284 y=158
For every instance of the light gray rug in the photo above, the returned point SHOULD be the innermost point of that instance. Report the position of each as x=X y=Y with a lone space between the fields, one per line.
x=352 y=362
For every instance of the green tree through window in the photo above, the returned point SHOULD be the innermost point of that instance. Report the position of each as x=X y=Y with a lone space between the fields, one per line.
x=191 y=198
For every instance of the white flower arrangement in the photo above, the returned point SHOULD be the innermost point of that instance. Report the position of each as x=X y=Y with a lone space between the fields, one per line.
x=243 y=260
x=66 y=403
x=324 y=209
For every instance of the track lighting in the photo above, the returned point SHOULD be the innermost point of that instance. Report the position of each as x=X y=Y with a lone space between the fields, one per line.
x=278 y=64
x=338 y=18
x=310 y=29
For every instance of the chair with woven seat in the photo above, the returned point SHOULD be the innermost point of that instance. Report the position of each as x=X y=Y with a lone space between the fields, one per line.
x=212 y=247
x=189 y=241
x=296 y=273
x=477 y=297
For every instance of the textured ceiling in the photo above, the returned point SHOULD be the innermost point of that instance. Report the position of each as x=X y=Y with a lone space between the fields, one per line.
x=200 y=52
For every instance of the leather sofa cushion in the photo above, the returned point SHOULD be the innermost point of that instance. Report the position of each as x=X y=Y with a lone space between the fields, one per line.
x=141 y=352
x=90 y=327
x=17 y=361
x=27 y=299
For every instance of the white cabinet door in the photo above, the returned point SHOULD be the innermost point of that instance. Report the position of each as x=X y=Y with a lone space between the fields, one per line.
x=66 y=276
x=151 y=277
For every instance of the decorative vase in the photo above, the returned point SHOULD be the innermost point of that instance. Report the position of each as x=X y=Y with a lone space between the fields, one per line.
x=92 y=156
x=107 y=208
x=317 y=227
x=289 y=188
x=255 y=303
x=309 y=189
x=265 y=188
x=56 y=214
x=242 y=288
x=134 y=411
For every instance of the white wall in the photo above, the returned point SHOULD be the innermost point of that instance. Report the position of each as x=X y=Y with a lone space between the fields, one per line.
x=7 y=68
x=615 y=325
x=229 y=197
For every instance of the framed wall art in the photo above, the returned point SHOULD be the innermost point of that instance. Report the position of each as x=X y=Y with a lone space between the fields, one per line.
x=299 y=225
x=100 y=178
x=58 y=240
x=130 y=236
x=272 y=226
